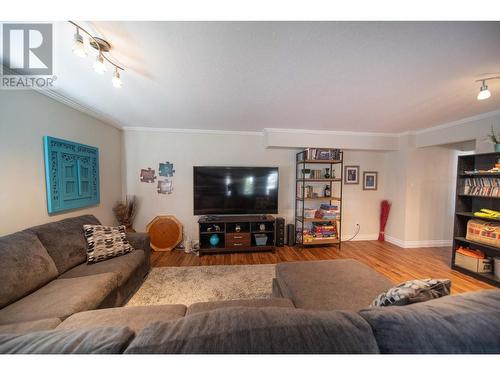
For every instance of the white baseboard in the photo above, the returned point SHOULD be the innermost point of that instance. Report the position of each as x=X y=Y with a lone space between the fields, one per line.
x=414 y=244
x=360 y=237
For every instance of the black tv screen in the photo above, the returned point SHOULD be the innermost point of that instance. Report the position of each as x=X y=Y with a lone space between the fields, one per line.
x=235 y=190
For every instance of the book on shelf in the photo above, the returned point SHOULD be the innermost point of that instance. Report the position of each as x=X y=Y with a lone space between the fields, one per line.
x=489 y=187
x=322 y=154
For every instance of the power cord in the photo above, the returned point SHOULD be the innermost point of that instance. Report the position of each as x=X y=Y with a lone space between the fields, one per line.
x=358 y=228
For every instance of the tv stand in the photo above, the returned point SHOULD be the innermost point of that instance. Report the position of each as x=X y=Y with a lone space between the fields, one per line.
x=211 y=218
x=236 y=233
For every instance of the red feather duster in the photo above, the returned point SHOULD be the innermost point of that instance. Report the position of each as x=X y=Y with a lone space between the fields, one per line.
x=385 y=208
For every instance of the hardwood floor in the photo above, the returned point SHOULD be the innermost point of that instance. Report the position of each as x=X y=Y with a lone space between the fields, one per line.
x=395 y=263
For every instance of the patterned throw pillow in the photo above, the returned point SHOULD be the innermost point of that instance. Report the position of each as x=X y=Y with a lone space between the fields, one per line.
x=105 y=242
x=413 y=291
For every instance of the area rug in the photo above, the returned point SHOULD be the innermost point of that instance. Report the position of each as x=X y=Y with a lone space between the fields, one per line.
x=187 y=285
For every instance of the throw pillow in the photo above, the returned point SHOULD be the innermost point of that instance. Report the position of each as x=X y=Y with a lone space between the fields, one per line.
x=413 y=291
x=105 y=242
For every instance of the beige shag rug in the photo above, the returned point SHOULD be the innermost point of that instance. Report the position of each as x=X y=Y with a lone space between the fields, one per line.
x=187 y=285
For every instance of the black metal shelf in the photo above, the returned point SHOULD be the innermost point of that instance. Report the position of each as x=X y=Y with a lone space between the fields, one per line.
x=314 y=161
x=336 y=165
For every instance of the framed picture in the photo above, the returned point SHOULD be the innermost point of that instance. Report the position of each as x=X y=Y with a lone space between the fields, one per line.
x=351 y=174
x=370 y=180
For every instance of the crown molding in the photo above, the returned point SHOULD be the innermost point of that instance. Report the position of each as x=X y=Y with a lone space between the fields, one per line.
x=451 y=124
x=191 y=131
x=330 y=132
x=58 y=96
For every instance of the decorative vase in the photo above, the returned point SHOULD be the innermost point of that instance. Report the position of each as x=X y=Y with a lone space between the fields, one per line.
x=214 y=240
x=497 y=147
x=327 y=173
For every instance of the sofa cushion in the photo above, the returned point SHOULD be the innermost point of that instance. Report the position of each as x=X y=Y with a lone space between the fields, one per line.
x=342 y=284
x=466 y=323
x=61 y=298
x=32 y=326
x=108 y=340
x=413 y=291
x=266 y=330
x=261 y=302
x=25 y=266
x=124 y=267
x=105 y=242
x=136 y=317
x=64 y=240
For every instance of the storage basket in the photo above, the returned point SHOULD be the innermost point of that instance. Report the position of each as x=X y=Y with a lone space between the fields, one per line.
x=473 y=264
x=260 y=239
x=483 y=232
x=309 y=213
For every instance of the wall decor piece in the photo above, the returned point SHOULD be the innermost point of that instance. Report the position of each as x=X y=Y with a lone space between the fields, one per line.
x=71 y=174
x=165 y=232
x=148 y=175
x=125 y=212
x=165 y=186
x=351 y=174
x=166 y=169
x=370 y=180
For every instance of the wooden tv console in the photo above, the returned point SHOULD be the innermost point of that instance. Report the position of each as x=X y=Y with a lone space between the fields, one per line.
x=236 y=233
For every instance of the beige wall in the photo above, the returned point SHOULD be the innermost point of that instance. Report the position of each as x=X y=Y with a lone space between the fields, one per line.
x=27 y=116
x=421 y=187
x=145 y=149
x=419 y=181
x=363 y=206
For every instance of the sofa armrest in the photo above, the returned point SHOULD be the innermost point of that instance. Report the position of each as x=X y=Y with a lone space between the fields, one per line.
x=140 y=241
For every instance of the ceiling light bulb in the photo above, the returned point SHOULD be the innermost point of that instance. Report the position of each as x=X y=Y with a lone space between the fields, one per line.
x=484 y=93
x=117 y=81
x=99 y=66
x=78 y=46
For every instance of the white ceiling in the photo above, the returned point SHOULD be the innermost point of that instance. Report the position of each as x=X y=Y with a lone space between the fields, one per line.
x=357 y=76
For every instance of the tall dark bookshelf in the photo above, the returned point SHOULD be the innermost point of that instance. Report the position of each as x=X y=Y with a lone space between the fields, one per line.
x=304 y=160
x=467 y=204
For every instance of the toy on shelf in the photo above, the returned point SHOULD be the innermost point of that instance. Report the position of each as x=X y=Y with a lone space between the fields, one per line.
x=487 y=214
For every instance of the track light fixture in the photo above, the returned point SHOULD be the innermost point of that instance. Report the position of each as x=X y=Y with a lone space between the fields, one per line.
x=484 y=92
x=103 y=47
x=117 y=81
x=99 y=66
x=78 y=46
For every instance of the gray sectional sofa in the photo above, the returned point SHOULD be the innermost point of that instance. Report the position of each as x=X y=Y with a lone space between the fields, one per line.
x=44 y=277
x=53 y=302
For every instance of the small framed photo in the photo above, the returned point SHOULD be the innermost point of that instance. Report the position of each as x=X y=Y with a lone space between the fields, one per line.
x=351 y=174
x=370 y=180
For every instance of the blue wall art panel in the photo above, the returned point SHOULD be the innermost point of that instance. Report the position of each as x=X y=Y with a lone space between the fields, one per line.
x=71 y=174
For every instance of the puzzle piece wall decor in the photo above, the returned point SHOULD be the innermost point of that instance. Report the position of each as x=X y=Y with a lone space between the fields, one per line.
x=166 y=169
x=165 y=186
x=148 y=175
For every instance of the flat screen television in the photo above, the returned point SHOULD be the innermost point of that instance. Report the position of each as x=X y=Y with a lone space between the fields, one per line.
x=235 y=190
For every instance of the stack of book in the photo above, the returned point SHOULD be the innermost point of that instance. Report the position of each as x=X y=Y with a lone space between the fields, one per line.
x=328 y=211
x=486 y=187
x=323 y=230
x=316 y=174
